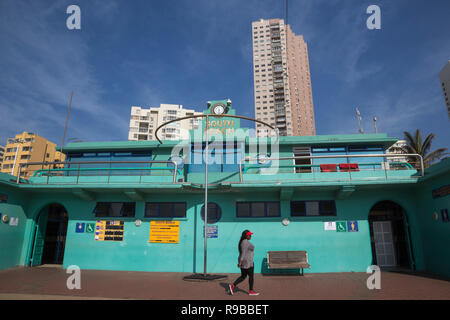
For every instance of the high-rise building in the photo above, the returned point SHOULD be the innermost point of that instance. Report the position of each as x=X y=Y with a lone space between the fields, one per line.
x=444 y=77
x=282 y=82
x=29 y=147
x=2 y=151
x=144 y=122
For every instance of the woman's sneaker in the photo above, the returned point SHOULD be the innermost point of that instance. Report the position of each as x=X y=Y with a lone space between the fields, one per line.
x=253 y=293
x=231 y=287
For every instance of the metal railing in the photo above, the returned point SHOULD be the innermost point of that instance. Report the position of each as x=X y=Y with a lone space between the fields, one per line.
x=246 y=159
x=48 y=171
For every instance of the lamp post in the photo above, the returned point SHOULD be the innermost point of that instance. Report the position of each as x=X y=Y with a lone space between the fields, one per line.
x=206 y=196
x=206 y=276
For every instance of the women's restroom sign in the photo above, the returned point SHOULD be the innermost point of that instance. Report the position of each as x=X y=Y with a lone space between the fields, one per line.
x=352 y=226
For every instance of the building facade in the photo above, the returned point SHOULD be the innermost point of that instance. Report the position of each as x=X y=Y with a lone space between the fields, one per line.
x=2 y=152
x=144 y=122
x=28 y=147
x=444 y=77
x=282 y=80
x=146 y=213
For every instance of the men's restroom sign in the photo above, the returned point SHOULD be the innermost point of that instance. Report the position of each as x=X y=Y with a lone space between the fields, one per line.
x=80 y=227
x=352 y=226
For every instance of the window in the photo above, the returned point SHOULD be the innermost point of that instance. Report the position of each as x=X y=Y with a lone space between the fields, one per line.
x=214 y=213
x=313 y=208
x=165 y=209
x=115 y=209
x=258 y=209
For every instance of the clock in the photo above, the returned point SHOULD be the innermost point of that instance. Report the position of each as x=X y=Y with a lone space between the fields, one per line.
x=219 y=108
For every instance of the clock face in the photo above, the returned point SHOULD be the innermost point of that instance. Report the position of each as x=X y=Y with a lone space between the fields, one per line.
x=218 y=109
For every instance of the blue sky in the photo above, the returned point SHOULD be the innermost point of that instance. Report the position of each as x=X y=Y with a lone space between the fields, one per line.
x=188 y=52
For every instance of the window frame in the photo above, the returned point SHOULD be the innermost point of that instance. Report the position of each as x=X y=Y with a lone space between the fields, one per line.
x=95 y=212
x=321 y=204
x=159 y=203
x=265 y=209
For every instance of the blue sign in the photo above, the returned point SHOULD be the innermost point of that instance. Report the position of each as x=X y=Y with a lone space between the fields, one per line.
x=444 y=213
x=212 y=231
x=80 y=227
x=352 y=226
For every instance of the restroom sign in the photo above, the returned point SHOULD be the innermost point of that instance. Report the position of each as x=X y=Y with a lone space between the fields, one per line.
x=352 y=226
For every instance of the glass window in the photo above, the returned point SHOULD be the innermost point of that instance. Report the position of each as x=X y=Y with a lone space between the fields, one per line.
x=313 y=208
x=214 y=213
x=258 y=209
x=165 y=209
x=115 y=209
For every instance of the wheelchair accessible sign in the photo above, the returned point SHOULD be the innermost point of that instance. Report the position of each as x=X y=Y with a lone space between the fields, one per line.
x=347 y=226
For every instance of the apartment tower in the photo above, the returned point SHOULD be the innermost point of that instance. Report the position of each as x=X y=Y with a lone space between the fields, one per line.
x=282 y=82
x=144 y=122
x=444 y=77
x=28 y=147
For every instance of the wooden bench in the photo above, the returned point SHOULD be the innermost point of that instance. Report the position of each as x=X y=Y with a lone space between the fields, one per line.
x=287 y=260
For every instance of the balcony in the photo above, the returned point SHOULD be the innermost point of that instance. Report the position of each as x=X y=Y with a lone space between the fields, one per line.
x=104 y=172
x=340 y=171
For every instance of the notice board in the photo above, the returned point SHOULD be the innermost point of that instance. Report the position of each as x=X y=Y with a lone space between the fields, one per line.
x=109 y=230
x=164 y=232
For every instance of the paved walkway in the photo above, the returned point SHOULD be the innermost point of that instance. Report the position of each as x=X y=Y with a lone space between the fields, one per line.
x=50 y=283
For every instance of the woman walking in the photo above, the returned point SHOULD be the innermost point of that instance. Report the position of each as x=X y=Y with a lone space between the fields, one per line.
x=245 y=262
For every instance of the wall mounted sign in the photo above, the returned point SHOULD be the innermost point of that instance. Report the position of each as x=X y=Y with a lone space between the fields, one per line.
x=14 y=221
x=440 y=192
x=352 y=226
x=329 y=226
x=80 y=227
x=341 y=226
x=444 y=214
x=90 y=227
x=109 y=230
x=213 y=231
x=164 y=231
x=435 y=216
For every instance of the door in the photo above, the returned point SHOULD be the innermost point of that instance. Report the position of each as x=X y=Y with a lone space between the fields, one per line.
x=384 y=244
x=39 y=238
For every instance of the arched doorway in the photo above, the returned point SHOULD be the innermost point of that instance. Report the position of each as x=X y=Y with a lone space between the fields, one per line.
x=390 y=236
x=49 y=236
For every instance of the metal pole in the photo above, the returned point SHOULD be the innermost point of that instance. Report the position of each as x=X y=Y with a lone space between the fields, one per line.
x=206 y=193
x=15 y=157
x=65 y=127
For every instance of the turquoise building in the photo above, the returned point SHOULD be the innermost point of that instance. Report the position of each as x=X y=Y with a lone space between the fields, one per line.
x=138 y=205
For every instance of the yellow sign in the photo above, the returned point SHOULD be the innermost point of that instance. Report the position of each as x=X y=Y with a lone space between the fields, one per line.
x=164 y=231
x=109 y=230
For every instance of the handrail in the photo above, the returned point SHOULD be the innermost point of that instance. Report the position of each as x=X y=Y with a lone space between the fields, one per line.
x=406 y=164
x=45 y=163
x=335 y=156
x=38 y=173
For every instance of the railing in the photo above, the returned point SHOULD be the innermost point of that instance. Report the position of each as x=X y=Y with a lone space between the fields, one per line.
x=243 y=168
x=140 y=170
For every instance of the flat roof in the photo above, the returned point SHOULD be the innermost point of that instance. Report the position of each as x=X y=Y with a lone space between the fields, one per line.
x=344 y=139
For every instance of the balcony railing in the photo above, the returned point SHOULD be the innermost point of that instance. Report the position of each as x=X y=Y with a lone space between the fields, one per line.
x=84 y=171
x=316 y=173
